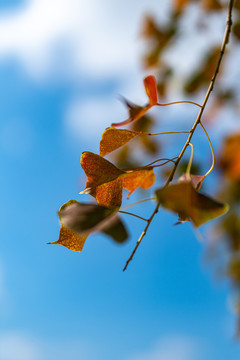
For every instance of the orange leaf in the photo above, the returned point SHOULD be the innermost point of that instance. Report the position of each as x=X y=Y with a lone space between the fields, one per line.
x=98 y=170
x=151 y=89
x=113 y=139
x=144 y=178
x=109 y=194
x=103 y=180
x=70 y=239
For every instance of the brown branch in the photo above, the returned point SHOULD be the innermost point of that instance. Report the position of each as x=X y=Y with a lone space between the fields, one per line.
x=196 y=123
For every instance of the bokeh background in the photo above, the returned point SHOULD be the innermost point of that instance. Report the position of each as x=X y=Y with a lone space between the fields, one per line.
x=63 y=64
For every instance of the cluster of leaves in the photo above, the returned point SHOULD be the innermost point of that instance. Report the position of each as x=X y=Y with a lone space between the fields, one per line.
x=105 y=182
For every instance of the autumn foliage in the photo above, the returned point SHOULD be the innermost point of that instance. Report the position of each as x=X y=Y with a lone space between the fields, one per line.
x=179 y=188
x=105 y=182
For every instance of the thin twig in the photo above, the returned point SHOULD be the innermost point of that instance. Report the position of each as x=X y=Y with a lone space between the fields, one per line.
x=213 y=155
x=190 y=161
x=128 y=213
x=141 y=237
x=196 y=123
x=163 y=159
x=151 y=166
x=170 y=132
x=137 y=203
x=179 y=102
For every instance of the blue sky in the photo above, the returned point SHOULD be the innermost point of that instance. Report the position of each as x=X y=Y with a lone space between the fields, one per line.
x=58 y=91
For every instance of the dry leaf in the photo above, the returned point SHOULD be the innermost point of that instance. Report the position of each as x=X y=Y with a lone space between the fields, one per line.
x=113 y=139
x=70 y=239
x=140 y=178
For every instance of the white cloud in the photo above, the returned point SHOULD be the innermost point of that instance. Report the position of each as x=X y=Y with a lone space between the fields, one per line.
x=90 y=36
x=18 y=346
x=171 y=348
x=88 y=118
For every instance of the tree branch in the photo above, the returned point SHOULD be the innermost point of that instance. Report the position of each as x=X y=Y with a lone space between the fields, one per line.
x=196 y=123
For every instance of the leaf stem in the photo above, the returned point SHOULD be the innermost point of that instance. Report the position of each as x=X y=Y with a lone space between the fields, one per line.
x=196 y=123
x=151 y=165
x=190 y=161
x=163 y=159
x=137 y=203
x=213 y=155
x=128 y=213
x=169 y=132
x=179 y=102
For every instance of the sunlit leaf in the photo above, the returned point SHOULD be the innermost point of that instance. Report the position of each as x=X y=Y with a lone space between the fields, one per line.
x=151 y=89
x=70 y=239
x=98 y=170
x=141 y=178
x=184 y=200
x=103 y=180
x=113 y=139
x=109 y=194
x=84 y=218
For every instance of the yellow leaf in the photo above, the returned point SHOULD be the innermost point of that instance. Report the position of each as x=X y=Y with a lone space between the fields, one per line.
x=70 y=239
x=109 y=194
x=98 y=170
x=113 y=139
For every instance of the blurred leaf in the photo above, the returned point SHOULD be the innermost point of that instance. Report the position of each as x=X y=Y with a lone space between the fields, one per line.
x=135 y=113
x=196 y=180
x=179 y=5
x=231 y=228
x=236 y=30
x=229 y=159
x=183 y=199
x=70 y=239
x=141 y=178
x=234 y=269
x=83 y=218
x=211 y=5
x=116 y=230
x=151 y=89
x=206 y=71
x=113 y=138
x=150 y=28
